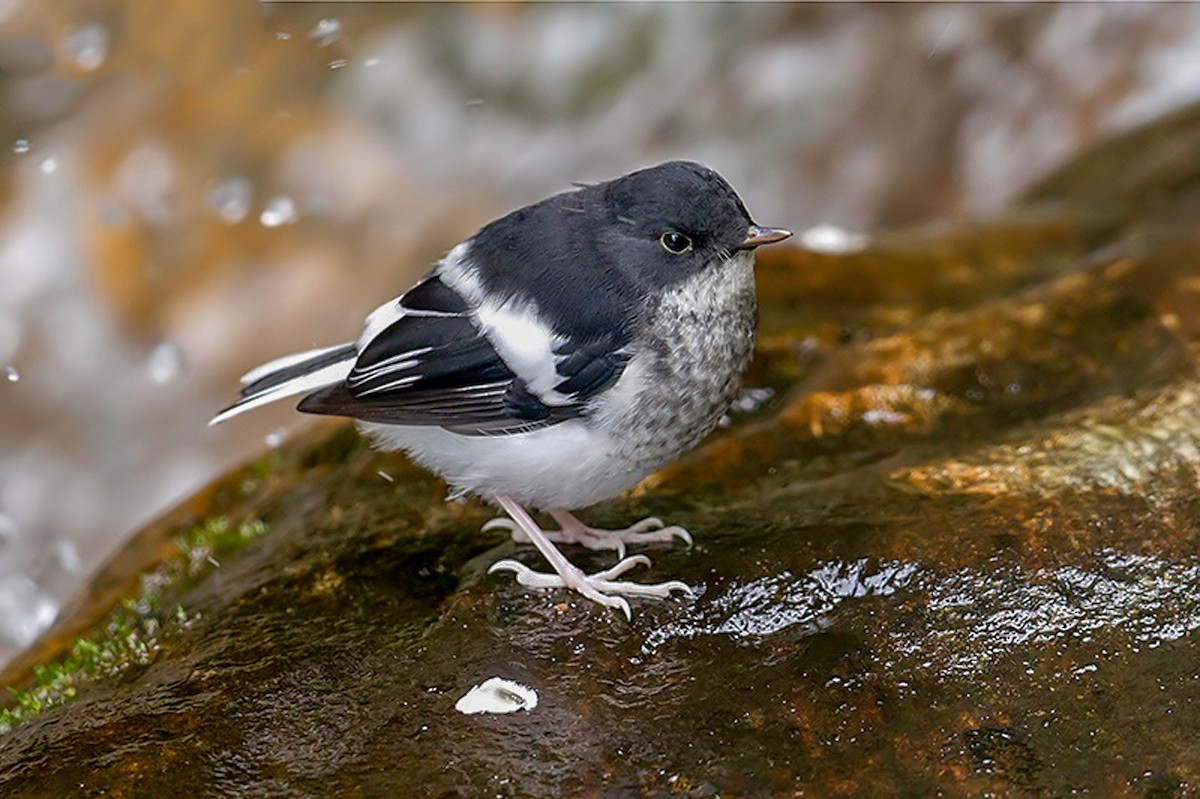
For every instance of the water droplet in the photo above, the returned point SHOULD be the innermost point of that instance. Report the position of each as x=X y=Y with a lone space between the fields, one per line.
x=280 y=210
x=67 y=555
x=386 y=476
x=10 y=336
x=326 y=31
x=25 y=609
x=12 y=374
x=832 y=240
x=751 y=399
x=145 y=179
x=338 y=63
x=21 y=146
x=8 y=530
x=165 y=363
x=883 y=417
x=88 y=46
x=282 y=36
x=230 y=199
x=275 y=437
x=49 y=166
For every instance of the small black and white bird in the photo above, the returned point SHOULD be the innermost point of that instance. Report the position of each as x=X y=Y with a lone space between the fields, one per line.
x=557 y=357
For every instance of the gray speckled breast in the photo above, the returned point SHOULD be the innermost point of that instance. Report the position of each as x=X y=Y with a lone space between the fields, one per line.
x=698 y=344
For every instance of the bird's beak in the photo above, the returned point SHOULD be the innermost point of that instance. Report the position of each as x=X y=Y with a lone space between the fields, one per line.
x=757 y=236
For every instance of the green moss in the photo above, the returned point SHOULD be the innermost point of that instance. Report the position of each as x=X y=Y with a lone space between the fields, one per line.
x=136 y=631
x=201 y=545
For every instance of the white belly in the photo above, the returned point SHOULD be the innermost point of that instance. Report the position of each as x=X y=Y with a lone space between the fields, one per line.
x=569 y=465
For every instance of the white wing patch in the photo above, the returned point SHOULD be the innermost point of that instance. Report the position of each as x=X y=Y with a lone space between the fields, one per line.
x=454 y=272
x=380 y=320
x=524 y=342
x=526 y=345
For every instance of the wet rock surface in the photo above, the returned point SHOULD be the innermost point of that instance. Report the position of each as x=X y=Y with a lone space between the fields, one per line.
x=953 y=549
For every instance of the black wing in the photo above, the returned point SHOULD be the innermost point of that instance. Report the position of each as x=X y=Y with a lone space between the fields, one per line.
x=433 y=365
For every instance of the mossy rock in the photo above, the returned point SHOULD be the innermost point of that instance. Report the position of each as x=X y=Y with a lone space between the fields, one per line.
x=952 y=549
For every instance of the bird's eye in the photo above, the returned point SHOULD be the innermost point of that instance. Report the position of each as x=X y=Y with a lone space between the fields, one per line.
x=675 y=242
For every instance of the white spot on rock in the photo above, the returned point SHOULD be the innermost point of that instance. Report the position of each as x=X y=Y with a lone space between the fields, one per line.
x=497 y=695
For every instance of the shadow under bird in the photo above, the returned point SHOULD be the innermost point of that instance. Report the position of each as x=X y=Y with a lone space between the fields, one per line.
x=555 y=358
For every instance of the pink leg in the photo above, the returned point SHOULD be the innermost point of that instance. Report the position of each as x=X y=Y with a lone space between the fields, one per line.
x=573 y=531
x=600 y=587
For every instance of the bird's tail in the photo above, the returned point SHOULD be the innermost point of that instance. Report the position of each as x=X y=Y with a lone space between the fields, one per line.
x=291 y=375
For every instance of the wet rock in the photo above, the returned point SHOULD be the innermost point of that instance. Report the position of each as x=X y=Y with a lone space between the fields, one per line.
x=953 y=549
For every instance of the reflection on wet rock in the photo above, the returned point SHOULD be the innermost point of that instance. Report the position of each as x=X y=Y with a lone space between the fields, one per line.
x=769 y=605
x=967 y=620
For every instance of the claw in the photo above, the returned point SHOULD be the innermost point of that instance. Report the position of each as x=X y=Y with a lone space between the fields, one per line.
x=679 y=532
x=599 y=587
x=623 y=566
x=525 y=575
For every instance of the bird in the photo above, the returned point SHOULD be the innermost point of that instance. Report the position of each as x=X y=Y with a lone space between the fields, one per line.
x=556 y=358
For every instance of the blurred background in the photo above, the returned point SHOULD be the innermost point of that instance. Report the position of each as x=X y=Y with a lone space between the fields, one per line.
x=188 y=189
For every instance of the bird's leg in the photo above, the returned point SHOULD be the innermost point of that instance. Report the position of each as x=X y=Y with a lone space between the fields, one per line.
x=573 y=531
x=601 y=587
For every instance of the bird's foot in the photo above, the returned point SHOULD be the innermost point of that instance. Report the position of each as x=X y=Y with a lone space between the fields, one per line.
x=601 y=587
x=572 y=531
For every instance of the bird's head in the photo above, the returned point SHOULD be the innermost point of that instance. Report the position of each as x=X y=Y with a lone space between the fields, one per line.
x=676 y=219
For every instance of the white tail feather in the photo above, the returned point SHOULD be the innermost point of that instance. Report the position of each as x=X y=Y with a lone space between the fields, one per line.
x=259 y=372
x=325 y=376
